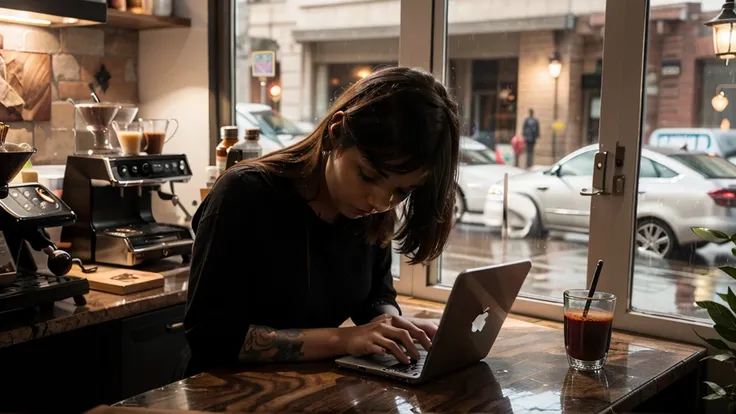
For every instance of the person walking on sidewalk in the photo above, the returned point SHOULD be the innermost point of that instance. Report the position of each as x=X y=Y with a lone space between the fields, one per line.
x=530 y=131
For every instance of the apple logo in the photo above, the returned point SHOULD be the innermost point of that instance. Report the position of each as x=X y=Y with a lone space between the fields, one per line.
x=479 y=322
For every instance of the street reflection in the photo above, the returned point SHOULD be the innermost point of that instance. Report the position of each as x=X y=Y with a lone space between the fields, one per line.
x=559 y=262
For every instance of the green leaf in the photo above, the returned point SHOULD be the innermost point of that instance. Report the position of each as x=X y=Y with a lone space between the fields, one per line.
x=721 y=358
x=729 y=270
x=713 y=397
x=715 y=343
x=733 y=251
x=713 y=236
x=731 y=299
x=717 y=390
x=723 y=296
x=720 y=314
x=726 y=333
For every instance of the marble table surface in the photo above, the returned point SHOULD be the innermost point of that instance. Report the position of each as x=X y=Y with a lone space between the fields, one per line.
x=526 y=371
x=19 y=327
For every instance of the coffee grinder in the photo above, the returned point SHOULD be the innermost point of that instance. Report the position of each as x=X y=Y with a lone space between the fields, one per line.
x=25 y=211
x=112 y=197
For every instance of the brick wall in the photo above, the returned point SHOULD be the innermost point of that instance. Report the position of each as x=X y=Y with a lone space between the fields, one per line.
x=76 y=54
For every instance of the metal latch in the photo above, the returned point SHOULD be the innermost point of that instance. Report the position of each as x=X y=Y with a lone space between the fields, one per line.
x=599 y=175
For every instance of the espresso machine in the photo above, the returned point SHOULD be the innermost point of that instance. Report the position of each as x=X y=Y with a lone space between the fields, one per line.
x=25 y=211
x=112 y=197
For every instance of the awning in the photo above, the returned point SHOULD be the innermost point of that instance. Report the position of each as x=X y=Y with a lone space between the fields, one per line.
x=527 y=24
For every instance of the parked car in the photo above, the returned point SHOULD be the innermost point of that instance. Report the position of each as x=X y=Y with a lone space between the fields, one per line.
x=709 y=140
x=274 y=127
x=677 y=190
x=479 y=168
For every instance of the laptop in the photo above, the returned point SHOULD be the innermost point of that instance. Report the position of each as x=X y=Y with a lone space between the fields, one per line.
x=478 y=305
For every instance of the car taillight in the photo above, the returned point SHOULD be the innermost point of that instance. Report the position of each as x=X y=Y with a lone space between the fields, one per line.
x=723 y=197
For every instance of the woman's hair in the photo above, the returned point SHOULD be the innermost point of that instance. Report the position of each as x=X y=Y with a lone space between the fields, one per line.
x=400 y=120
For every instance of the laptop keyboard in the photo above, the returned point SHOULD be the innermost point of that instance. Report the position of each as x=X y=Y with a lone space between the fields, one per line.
x=411 y=368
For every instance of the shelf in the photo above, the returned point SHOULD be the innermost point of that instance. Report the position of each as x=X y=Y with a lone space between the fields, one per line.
x=128 y=20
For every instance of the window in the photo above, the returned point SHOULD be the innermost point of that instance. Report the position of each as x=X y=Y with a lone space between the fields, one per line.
x=538 y=78
x=647 y=169
x=539 y=73
x=581 y=165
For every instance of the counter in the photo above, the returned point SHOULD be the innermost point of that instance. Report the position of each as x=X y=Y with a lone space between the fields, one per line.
x=19 y=327
x=526 y=371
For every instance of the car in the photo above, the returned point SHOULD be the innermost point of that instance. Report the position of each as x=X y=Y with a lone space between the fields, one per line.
x=678 y=190
x=274 y=127
x=710 y=140
x=479 y=168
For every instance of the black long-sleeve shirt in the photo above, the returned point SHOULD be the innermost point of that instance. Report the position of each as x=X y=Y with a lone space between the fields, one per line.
x=263 y=257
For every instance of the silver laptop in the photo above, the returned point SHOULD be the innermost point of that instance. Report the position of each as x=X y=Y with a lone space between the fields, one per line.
x=478 y=305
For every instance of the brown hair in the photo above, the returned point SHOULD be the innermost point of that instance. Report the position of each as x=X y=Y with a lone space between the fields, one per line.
x=400 y=120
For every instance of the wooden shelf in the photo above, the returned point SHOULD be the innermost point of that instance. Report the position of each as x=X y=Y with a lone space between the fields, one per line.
x=128 y=20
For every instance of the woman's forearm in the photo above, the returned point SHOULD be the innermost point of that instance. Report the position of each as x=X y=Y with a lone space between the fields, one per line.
x=264 y=344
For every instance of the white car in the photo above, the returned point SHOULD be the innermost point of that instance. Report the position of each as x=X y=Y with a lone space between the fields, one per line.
x=280 y=131
x=678 y=190
x=479 y=168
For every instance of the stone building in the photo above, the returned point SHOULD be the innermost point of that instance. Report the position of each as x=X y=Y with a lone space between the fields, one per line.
x=498 y=57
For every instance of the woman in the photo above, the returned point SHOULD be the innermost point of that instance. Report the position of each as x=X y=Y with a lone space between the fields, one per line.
x=293 y=244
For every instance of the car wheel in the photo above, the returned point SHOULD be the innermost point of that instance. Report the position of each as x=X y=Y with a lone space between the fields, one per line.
x=460 y=206
x=655 y=238
x=531 y=229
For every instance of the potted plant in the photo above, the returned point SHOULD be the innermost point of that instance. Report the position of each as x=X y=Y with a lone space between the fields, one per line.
x=724 y=320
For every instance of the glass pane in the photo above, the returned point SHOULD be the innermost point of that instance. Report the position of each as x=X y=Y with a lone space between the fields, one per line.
x=547 y=61
x=687 y=154
x=319 y=52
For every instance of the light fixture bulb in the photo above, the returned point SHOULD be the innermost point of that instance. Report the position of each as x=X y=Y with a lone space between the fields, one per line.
x=719 y=102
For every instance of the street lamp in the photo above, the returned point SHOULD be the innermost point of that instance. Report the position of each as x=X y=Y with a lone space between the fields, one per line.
x=719 y=102
x=555 y=69
x=724 y=32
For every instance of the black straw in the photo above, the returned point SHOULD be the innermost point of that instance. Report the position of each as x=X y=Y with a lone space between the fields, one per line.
x=91 y=87
x=593 y=285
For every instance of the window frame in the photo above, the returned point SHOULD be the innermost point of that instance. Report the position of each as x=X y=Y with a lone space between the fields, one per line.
x=621 y=123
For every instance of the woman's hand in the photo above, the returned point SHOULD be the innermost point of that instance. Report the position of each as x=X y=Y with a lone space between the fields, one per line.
x=384 y=334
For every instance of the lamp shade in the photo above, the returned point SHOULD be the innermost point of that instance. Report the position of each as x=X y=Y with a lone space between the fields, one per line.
x=724 y=37
x=719 y=102
x=555 y=66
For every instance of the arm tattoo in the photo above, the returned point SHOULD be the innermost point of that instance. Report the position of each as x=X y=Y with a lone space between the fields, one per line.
x=264 y=344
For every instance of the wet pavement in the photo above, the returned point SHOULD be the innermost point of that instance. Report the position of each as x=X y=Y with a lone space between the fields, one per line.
x=668 y=287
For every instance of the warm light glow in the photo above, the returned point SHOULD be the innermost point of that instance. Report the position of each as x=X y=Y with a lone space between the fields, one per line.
x=363 y=73
x=24 y=20
x=275 y=91
x=724 y=40
x=555 y=68
x=725 y=124
x=719 y=102
x=38 y=19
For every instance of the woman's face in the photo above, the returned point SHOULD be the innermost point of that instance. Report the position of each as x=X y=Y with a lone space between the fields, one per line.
x=357 y=190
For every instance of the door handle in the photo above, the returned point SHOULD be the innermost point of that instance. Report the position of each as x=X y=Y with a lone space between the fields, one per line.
x=542 y=188
x=641 y=192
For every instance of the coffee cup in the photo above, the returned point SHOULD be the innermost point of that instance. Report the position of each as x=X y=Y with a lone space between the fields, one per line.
x=155 y=133
x=130 y=137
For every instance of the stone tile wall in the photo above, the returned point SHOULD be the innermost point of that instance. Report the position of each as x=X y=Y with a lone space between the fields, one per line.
x=76 y=54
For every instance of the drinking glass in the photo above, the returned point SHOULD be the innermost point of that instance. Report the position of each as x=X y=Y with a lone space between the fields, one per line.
x=155 y=131
x=588 y=334
x=130 y=137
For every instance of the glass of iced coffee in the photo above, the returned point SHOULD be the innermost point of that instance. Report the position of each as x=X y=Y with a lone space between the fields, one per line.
x=588 y=322
x=130 y=137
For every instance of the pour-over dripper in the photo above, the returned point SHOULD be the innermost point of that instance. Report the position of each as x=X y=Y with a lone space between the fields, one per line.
x=10 y=165
x=97 y=117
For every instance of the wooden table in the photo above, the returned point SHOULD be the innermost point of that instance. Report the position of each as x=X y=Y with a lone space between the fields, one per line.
x=525 y=371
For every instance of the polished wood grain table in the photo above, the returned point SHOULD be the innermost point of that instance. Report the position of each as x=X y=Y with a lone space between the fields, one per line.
x=525 y=371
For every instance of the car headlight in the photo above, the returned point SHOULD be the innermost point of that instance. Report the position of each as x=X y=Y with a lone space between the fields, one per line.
x=495 y=189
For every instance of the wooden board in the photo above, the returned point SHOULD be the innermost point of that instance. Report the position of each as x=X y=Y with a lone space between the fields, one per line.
x=120 y=281
x=26 y=86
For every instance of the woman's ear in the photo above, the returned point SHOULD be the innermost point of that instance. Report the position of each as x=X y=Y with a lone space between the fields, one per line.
x=334 y=130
